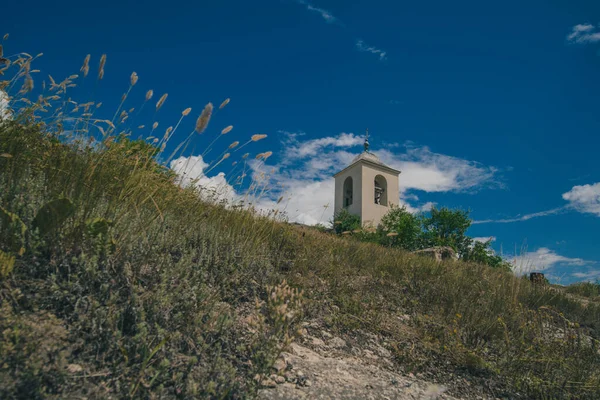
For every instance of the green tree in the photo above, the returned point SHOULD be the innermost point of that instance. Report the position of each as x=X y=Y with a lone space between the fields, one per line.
x=344 y=221
x=400 y=228
x=446 y=227
x=481 y=252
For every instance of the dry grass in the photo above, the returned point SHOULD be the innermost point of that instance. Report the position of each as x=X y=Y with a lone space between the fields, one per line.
x=204 y=118
x=117 y=282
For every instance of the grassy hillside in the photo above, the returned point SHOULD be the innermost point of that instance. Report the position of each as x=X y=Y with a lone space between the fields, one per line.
x=115 y=282
x=585 y=289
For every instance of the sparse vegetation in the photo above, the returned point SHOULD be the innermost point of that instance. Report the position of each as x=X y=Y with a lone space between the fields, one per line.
x=115 y=281
x=585 y=289
x=439 y=227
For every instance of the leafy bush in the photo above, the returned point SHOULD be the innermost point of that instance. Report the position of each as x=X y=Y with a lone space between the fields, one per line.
x=408 y=231
x=400 y=228
x=343 y=221
x=445 y=227
x=480 y=252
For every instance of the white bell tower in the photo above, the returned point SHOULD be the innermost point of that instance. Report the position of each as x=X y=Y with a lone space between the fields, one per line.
x=367 y=187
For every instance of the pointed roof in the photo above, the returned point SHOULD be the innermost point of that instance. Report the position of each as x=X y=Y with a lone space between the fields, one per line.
x=369 y=158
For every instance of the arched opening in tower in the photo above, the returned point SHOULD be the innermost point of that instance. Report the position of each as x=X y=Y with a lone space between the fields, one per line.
x=381 y=191
x=348 y=192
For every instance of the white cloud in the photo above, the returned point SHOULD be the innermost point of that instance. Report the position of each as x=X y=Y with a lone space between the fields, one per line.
x=425 y=170
x=303 y=175
x=313 y=147
x=307 y=202
x=326 y=15
x=484 y=239
x=421 y=169
x=591 y=275
x=361 y=46
x=543 y=259
x=307 y=167
x=523 y=217
x=584 y=198
x=4 y=109
x=191 y=172
x=584 y=33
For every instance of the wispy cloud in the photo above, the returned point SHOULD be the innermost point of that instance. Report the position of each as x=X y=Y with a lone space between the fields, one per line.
x=582 y=198
x=330 y=18
x=522 y=217
x=362 y=46
x=326 y=15
x=543 y=259
x=584 y=33
x=591 y=275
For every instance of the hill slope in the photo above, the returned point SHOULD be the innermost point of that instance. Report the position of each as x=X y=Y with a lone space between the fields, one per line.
x=117 y=283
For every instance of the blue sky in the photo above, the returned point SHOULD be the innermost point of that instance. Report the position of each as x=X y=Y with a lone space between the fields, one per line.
x=487 y=107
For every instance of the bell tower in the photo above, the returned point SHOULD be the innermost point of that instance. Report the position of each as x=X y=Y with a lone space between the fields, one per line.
x=367 y=187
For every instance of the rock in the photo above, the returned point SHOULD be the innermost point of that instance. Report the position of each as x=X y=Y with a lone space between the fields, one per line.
x=74 y=368
x=383 y=352
x=404 y=317
x=289 y=376
x=303 y=381
x=369 y=354
x=318 y=342
x=337 y=343
x=438 y=253
x=326 y=335
x=434 y=391
x=287 y=357
x=302 y=332
x=279 y=379
x=268 y=383
x=300 y=374
x=280 y=365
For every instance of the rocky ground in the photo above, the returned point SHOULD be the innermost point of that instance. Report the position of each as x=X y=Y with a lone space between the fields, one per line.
x=323 y=366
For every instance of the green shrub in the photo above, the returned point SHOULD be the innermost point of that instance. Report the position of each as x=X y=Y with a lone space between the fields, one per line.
x=343 y=221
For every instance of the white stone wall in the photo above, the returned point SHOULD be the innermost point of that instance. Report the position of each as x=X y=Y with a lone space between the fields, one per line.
x=372 y=213
x=363 y=175
x=355 y=173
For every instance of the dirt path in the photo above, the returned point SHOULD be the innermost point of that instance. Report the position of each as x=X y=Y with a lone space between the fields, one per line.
x=306 y=374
